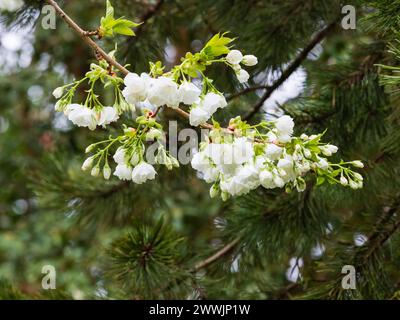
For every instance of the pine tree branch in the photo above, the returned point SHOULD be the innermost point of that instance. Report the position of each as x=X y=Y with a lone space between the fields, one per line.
x=204 y=263
x=144 y=18
x=291 y=68
x=245 y=91
x=216 y=256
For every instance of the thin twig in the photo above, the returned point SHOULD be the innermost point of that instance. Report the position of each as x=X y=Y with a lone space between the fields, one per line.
x=291 y=68
x=245 y=91
x=220 y=253
x=103 y=54
x=87 y=39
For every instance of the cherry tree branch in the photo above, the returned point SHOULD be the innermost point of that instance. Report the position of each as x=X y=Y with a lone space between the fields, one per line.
x=84 y=35
x=291 y=68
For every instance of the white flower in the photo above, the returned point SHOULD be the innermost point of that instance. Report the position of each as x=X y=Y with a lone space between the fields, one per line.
x=211 y=102
x=136 y=87
x=188 y=93
x=271 y=137
x=266 y=179
x=249 y=60
x=343 y=181
x=279 y=181
x=200 y=161
x=153 y=134
x=210 y=175
x=107 y=115
x=243 y=150
x=82 y=116
x=163 y=91
x=242 y=76
x=285 y=125
x=285 y=163
x=272 y=151
x=143 y=172
x=234 y=57
x=87 y=164
x=198 y=116
x=145 y=105
x=123 y=172
x=323 y=164
x=119 y=156
x=58 y=92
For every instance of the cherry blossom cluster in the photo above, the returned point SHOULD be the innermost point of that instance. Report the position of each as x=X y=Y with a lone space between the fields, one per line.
x=235 y=160
x=129 y=156
x=92 y=113
x=267 y=155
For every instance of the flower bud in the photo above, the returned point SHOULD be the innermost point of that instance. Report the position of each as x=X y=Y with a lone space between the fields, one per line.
x=87 y=164
x=106 y=172
x=58 y=92
x=89 y=148
x=357 y=164
x=353 y=184
x=242 y=76
x=300 y=184
x=307 y=153
x=358 y=176
x=304 y=136
x=234 y=57
x=95 y=171
x=249 y=60
x=214 y=190
x=343 y=181
x=135 y=159
x=224 y=196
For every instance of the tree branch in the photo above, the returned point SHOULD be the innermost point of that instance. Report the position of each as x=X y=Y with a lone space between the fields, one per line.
x=86 y=38
x=291 y=68
x=220 y=253
x=103 y=54
x=245 y=91
x=144 y=18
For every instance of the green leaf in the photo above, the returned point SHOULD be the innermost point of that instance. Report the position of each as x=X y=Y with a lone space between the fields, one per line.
x=320 y=180
x=217 y=46
x=110 y=26
x=109 y=10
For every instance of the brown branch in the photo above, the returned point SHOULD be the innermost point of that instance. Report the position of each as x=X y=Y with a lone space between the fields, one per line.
x=103 y=54
x=86 y=38
x=245 y=91
x=203 y=264
x=220 y=253
x=291 y=68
